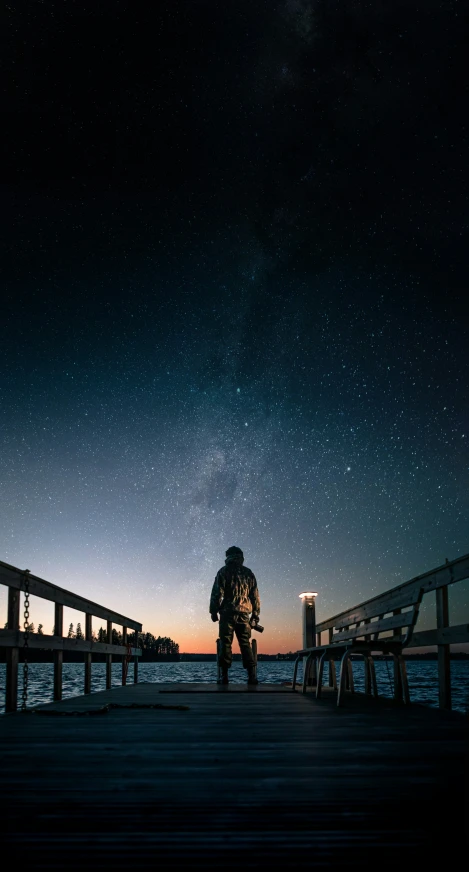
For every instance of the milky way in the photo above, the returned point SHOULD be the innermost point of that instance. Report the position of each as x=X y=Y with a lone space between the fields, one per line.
x=234 y=311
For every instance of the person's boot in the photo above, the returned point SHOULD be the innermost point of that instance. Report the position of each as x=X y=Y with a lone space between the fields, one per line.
x=252 y=675
x=224 y=677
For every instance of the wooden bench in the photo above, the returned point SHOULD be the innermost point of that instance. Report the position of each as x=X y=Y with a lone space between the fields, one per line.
x=384 y=624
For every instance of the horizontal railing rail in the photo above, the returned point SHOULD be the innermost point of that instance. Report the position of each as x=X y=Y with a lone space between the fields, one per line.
x=456 y=635
x=13 y=639
x=13 y=577
x=442 y=576
x=43 y=642
x=442 y=636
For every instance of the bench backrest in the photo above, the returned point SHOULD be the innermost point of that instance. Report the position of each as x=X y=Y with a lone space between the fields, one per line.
x=370 y=621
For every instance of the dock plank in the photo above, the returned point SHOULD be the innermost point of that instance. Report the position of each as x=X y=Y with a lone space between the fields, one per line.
x=242 y=776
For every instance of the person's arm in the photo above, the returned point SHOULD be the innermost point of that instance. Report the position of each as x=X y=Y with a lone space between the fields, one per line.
x=217 y=596
x=255 y=600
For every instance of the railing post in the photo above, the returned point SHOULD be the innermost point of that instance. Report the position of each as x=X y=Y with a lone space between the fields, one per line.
x=109 y=657
x=332 y=679
x=367 y=666
x=218 y=661
x=397 y=667
x=136 y=658
x=88 y=637
x=345 y=666
x=254 y=654
x=58 y=655
x=124 y=657
x=444 y=663
x=11 y=689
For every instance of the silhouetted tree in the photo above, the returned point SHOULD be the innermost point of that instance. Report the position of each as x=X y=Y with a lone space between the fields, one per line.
x=70 y=634
x=79 y=633
x=40 y=630
x=160 y=645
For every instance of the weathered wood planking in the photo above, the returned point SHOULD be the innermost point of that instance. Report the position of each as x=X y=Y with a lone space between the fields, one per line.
x=244 y=778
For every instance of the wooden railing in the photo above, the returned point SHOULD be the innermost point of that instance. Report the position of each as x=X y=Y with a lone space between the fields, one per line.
x=443 y=635
x=13 y=639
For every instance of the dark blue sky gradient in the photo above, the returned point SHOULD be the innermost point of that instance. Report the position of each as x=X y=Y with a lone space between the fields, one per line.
x=235 y=305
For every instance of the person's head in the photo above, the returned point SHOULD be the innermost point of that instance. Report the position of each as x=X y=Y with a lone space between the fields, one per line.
x=234 y=555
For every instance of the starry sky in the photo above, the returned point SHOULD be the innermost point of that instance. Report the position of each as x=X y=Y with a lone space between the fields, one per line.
x=235 y=242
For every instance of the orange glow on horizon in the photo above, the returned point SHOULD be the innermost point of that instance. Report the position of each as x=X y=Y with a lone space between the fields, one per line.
x=205 y=642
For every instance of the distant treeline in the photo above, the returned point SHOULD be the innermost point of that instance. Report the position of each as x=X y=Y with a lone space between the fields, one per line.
x=153 y=647
x=163 y=648
x=429 y=655
x=209 y=657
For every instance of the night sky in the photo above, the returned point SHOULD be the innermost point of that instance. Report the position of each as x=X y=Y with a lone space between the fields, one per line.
x=235 y=243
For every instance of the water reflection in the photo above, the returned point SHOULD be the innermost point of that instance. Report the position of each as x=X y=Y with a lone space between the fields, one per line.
x=423 y=678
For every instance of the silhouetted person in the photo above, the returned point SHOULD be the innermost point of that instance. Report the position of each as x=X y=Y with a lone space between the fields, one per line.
x=236 y=597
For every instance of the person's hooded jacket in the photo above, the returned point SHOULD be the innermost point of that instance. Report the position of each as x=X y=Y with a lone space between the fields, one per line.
x=235 y=590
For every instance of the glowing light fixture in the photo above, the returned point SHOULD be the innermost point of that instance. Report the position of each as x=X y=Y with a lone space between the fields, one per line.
x=308 y=593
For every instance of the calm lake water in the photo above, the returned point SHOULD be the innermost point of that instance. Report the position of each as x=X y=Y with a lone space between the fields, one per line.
x=423 y=680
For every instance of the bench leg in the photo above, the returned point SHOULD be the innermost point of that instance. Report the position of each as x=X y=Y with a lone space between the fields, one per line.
x=404 y=681
x=367 y=675
x=295 y=672
x=306 y=671
x=397 y=678
x=350 y=684
x=320 y=674
x=372 y=671
x=314 y=671
x=371 y=686
x=343 y=676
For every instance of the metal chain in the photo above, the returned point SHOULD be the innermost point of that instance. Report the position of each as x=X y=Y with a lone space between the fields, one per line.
x=25 y=641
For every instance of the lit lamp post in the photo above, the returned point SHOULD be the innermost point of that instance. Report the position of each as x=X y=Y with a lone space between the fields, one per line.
x=309 y=627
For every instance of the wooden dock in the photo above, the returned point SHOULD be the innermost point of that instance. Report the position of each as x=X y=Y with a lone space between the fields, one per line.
x=236 y=776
